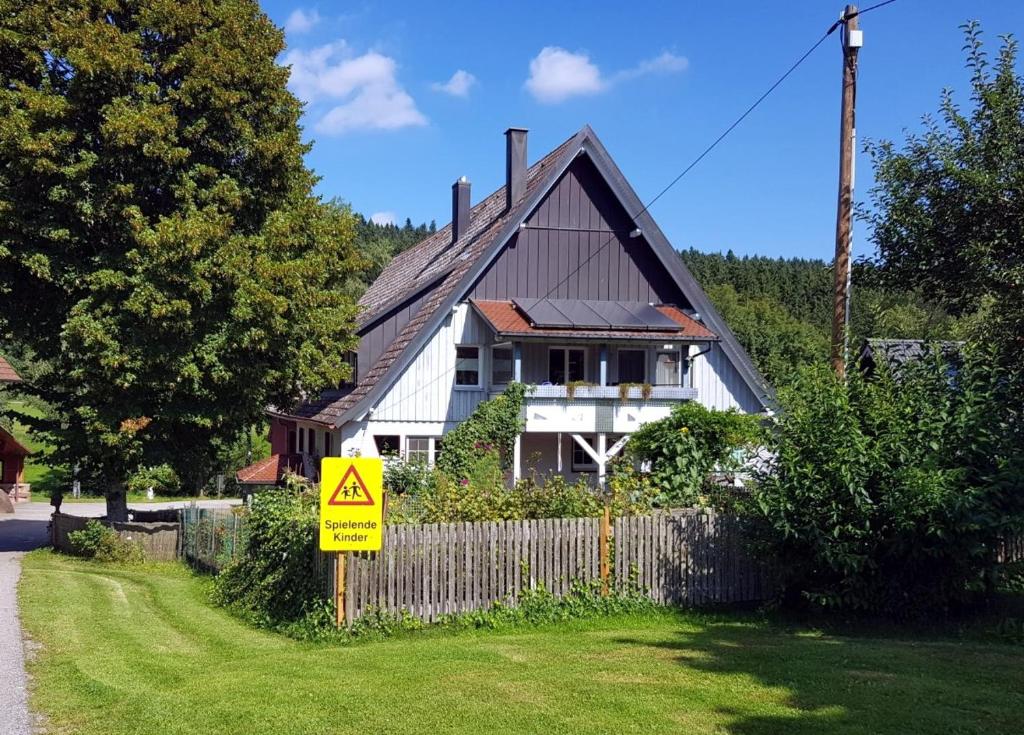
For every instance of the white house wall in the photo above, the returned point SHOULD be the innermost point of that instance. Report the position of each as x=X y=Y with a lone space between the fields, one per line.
x=719 y=385
x=426 y=392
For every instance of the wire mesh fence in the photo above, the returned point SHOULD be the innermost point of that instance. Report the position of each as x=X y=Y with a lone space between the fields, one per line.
x=211 y=537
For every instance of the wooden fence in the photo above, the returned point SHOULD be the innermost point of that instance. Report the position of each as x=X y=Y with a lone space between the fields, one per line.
x=687 y=558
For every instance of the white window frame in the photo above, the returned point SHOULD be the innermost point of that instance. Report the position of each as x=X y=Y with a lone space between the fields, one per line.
x=480 y=369
x=644 y=352
x=493 y=361
x=590 y=465
x=680 y=369
x=431 y=447
x=566 y=348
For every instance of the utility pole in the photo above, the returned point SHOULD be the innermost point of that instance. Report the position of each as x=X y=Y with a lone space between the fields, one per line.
x=852 y=40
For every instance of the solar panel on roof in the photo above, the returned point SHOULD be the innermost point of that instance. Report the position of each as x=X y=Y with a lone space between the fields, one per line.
x=587 y=314
x=580 y=313
x=616 y=315
x=543 y=313
x=651 y=317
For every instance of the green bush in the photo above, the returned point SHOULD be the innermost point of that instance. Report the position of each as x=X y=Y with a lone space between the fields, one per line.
x=162 y=478
x=404 y=478
x=683 y=449
x=102 y=543
x=275 y=581
x=493 y=426
x=890 y=495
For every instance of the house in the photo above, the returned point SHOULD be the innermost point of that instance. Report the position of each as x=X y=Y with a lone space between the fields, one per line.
x=559 y=279
x=895 y=353
x=12 y=453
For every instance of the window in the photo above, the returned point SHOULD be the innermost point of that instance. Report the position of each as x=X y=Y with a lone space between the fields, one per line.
x=467 y=366
x=668 y=371
x=417 y=449
x=352 y=360
x=501 y=364
x=632 y=366
x=311 y=440
x=386 y=444
x=581 y=461
x=328 y=444
x=302 y=440
x=566 y=365
x=422 y=449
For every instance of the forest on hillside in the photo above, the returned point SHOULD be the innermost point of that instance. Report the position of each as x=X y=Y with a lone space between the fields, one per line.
x=781 y=308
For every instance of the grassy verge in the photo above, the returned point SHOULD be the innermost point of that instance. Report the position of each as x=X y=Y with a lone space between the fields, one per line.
x=134 y=499
x=140 y=650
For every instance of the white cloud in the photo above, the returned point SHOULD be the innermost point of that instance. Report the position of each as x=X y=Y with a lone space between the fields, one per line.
x=458 y=86
x=301 y=21
x=557 y=74
x=383 y=218
x=366 y=86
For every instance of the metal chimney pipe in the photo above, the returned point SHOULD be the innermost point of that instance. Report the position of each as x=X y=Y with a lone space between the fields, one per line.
x=515 y=165
x=460 y=208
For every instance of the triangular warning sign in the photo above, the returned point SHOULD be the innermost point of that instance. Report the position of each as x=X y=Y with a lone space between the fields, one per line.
x=351 y=490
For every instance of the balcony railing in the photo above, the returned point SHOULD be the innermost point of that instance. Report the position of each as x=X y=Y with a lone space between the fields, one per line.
x=614 y=392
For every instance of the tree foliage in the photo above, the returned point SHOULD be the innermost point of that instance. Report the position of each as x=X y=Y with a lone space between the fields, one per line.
x=948 y=214
x=892 y=495
x=684 y=448
x=781 y=308
x=162 y=254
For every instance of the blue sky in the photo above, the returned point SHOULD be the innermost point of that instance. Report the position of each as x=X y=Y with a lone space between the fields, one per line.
x=403 y=98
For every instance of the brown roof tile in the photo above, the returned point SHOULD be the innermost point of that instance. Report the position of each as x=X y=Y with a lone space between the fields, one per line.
x=270 y=470
x=435 y=259
x=507 y=320
x=7 y=373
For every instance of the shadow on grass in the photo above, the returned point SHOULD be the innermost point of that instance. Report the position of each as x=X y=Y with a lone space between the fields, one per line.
x=808 y=681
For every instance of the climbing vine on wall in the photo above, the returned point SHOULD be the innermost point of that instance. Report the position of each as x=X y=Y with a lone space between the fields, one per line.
x=493 y=426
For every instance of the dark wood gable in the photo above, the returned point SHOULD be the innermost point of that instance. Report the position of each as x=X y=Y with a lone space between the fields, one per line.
x=576 y=245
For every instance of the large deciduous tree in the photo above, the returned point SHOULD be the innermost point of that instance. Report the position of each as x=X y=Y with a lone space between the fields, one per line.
x=948 y=214
x=161 y=249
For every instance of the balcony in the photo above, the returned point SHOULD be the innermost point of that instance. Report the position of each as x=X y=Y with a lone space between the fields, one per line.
x=614 y=392
x=599 y=408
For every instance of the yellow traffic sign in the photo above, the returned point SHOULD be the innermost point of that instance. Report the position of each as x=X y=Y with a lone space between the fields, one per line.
x=351 y=504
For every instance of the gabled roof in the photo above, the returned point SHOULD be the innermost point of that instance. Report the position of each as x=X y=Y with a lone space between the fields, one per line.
x=11 y=446
x=454 y=267
x=269 y=471
x=898 y=352
x=7 y=373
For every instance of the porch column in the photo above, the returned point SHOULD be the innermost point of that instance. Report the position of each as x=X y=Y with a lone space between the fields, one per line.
x=517 y=362
x=604 y=365
x=602 y=457
x=517 y=454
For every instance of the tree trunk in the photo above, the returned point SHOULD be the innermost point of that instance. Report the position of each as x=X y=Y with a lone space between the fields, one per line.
x=117 y=503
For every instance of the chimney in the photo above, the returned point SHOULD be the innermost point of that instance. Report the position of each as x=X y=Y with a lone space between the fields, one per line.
x=515 y=165
x=460 y=208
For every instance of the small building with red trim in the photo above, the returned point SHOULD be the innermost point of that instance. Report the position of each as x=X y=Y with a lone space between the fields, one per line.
x=12 y=452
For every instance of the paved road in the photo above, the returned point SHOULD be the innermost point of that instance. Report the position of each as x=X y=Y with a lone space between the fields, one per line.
x=23 y=531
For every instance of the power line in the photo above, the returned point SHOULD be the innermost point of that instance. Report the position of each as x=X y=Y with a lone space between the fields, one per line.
x=841 y=21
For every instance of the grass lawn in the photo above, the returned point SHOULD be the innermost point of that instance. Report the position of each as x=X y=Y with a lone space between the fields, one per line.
x=141 y=651
x=38 y=473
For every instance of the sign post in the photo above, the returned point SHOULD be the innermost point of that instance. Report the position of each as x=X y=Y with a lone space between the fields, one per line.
x=351 y=513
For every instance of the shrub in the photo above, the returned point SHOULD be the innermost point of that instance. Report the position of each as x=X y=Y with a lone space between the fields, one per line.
x=102 y=543
x=275 y=580
x=493 y=425
x=683 y=449
x=401 y=477
x=162 y=478
x=890 y=495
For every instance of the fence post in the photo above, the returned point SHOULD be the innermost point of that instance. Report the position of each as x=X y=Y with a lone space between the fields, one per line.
x=339 y=588
x=604 y=542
